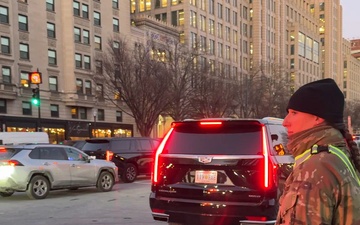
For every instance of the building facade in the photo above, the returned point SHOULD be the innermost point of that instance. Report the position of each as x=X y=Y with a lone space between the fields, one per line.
x=64 y=41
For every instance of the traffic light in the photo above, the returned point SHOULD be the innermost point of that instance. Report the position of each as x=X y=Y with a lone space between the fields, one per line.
x=35 y=78
x=35 y=96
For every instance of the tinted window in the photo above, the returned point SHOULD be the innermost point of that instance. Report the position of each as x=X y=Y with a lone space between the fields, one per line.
x=118 y=146
x=52 y=153
x=7 y=153
x=145 y=145
x=229 y=139
x=79 y=144
x=92 y=145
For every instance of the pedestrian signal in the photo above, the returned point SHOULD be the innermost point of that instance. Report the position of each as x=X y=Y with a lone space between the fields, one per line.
x=35 y=78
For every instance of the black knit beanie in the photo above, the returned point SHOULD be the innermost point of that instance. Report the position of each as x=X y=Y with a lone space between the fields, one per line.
x=321 y=98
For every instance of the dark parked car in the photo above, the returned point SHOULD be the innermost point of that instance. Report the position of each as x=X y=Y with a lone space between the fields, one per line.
x=220 y=171
x=133 y=155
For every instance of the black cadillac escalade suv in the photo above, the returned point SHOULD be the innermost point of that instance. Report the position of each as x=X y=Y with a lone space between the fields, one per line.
x=220 y=171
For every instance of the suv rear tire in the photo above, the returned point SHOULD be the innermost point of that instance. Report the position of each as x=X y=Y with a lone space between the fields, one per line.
x=129 y=174
x=38 y=188
x=105 y=182
x=6 y=194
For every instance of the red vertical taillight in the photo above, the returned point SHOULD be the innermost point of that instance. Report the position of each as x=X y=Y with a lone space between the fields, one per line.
x=158 y=152
x=269 y=168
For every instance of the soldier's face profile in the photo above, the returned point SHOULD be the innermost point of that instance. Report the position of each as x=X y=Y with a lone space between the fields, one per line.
x=296 y=121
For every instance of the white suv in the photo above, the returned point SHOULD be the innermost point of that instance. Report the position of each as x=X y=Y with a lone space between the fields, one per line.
x=37 y=169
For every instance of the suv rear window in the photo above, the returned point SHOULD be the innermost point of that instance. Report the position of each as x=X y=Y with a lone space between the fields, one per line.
x=227 y=139
x=7 y=153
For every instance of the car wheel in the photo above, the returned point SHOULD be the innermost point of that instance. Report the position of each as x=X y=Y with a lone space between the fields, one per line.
x=6 y=194
x=105 y=182
x=129 y=174
x=38 y=188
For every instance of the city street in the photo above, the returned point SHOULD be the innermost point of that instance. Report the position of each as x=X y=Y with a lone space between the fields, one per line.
x=126 y=204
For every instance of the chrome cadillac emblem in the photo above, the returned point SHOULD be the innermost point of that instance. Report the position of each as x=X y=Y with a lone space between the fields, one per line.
x=205 y=159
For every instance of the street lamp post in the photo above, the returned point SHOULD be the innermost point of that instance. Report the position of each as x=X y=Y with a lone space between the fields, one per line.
x=94 y=114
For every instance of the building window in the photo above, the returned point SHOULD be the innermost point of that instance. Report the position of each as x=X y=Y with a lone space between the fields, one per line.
x=82 y=113
x=51 y=30
x=119 y=116
x=53 y=84
x=98 y=68
x=54 y=109
x=26 y=108
x=115 y=25
x=52 y=57
x=87 y=62
x=79 y=86
x=101 y=114
x=99 y=90
x=86 y=39
x=85 y=11
x=50 y=5
x=6 y=74
x=77 y=34
x=23 y=23
x=115 y=4
x=74 y=113
x=116 y=44
x=2 y=106
x=76 y=7
x=97 y=41
x=97 y=19
x=24 y=51
x=88 y=87
x=4 y=14
x=24 y=79
x=5 y=45
x=78 y=61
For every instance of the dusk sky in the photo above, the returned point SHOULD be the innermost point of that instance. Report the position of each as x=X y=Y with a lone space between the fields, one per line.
x=351 y=18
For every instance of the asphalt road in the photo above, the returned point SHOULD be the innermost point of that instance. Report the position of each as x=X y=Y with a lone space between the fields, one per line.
x=126 y=204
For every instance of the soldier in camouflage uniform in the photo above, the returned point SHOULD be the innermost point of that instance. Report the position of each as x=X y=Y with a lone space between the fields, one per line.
x=324 y=186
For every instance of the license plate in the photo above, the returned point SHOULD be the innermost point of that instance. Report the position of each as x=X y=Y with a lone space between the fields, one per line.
x=205 y=177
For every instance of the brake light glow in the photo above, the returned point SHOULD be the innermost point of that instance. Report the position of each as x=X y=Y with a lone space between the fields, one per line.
x=12 y=163
x=210 y=123
x=266 y=158
x=109 y=155
x=157 y=154
x=256 y=218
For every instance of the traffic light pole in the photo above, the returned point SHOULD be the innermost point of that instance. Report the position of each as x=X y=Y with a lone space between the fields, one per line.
x=39 y=112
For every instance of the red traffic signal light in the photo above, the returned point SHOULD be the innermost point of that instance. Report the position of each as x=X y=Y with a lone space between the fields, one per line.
x=35 y=78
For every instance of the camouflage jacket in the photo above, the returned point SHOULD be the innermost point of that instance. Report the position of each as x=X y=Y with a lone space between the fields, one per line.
x=320 y=190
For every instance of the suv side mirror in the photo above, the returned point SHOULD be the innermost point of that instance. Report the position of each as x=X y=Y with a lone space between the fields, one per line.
x=274 y=137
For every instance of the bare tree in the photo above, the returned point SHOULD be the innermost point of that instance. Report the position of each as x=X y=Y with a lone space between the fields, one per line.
x=352 y=109
x=212 y=95
x=139 y=78
x=180 y=70
x=264 y=92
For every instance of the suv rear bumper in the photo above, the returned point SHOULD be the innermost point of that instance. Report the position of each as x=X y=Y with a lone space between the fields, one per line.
x=193 y=212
